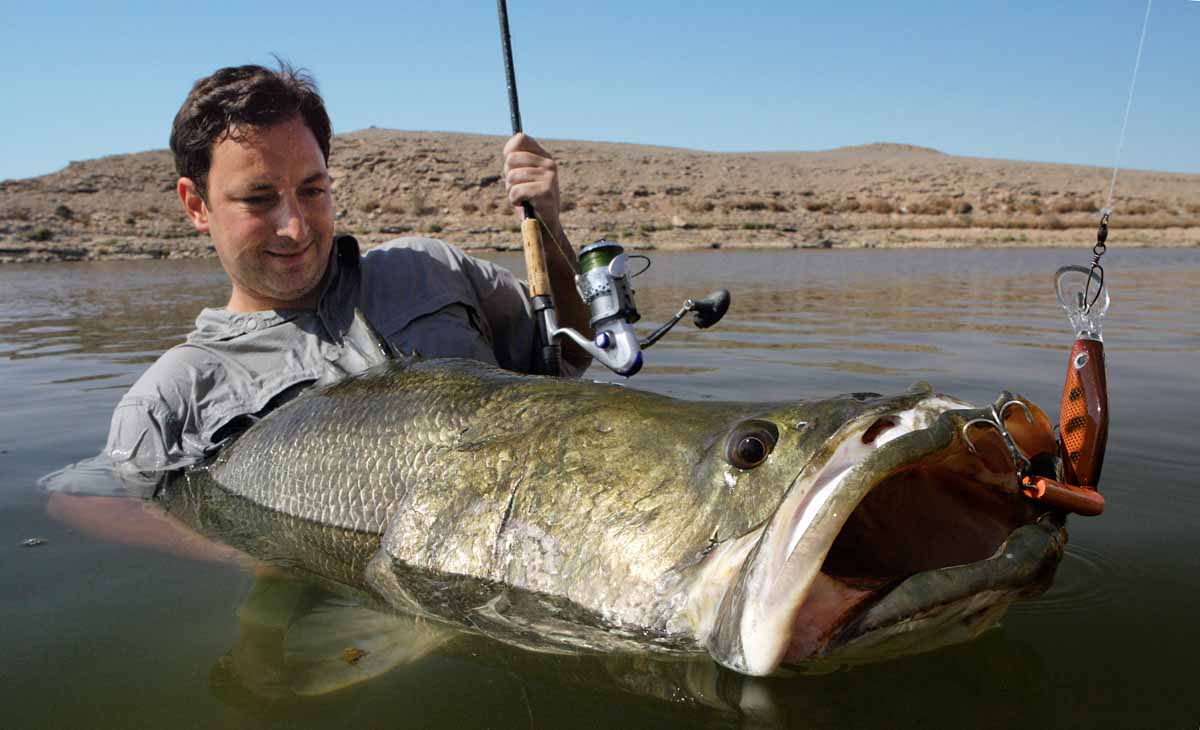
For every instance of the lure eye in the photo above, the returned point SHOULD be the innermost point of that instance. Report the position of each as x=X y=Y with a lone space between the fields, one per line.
x=750 y=444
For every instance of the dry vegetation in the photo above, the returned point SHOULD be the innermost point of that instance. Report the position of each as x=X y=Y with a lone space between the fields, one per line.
x=391 y=183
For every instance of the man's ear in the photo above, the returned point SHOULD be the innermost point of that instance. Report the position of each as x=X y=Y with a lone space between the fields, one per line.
x=193 y=203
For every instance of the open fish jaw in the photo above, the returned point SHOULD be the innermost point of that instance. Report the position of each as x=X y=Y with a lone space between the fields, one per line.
x=957 y=602
x=891 y=497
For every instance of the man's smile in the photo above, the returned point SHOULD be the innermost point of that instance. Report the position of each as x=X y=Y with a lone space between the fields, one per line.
x=290 y=256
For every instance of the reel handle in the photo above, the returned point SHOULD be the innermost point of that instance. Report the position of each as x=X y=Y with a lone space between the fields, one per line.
x=710 y=309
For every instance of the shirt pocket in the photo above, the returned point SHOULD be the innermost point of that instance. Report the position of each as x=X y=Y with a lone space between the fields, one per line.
x=451 y=329
x=227 y=411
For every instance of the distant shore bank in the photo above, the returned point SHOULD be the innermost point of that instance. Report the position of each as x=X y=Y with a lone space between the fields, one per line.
x=389 y=183
x=139 y=248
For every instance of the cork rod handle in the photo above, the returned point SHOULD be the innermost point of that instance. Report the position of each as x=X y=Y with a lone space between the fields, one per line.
x=535 y=258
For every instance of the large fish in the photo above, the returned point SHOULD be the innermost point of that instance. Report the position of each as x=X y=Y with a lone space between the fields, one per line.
x=559 y=513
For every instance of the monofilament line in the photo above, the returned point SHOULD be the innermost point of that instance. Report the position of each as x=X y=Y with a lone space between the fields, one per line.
x=1112 y=186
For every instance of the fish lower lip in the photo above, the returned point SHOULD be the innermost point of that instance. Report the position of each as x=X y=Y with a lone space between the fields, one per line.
x=1022 y=566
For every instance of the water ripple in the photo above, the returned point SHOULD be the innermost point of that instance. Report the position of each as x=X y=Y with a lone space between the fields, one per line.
x=1086 y=581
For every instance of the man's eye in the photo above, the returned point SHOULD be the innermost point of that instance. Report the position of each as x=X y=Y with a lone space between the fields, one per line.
x=312 y=192
x=258 y=200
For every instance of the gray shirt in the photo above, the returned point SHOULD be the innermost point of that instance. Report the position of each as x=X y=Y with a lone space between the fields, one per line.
x=421 y=295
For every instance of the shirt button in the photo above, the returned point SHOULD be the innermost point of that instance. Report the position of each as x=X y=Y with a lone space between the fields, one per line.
x=331 y=352
x=252 y=324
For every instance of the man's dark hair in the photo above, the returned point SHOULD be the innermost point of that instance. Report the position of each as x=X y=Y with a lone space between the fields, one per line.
x=236 y=99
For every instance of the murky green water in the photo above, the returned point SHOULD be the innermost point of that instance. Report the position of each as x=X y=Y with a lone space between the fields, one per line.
x=104 y=635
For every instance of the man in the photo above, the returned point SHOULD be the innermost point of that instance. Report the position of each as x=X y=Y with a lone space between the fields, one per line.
x=251 y=148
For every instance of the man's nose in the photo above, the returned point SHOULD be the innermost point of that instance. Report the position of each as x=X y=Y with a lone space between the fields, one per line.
x=291 y=223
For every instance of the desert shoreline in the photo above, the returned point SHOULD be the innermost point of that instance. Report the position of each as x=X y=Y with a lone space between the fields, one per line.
x=389 y=184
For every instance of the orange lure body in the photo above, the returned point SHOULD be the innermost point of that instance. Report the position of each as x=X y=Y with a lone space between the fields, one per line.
x=1034 y=436
x=1083 y=417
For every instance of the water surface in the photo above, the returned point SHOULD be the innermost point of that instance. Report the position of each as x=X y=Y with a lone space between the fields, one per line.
x=99 y=634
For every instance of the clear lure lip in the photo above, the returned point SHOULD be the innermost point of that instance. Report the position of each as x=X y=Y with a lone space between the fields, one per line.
x=1084 y=297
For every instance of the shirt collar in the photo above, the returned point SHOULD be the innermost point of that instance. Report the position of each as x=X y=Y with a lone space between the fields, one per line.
x=336 y=306
x=340 y=287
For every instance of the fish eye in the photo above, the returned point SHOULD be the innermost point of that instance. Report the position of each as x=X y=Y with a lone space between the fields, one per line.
x=750 y=444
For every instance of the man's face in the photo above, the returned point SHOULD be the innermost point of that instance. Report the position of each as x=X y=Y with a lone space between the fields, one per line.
x=270 y=214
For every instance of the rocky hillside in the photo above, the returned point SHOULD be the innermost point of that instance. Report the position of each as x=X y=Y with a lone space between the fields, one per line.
x=389 y=183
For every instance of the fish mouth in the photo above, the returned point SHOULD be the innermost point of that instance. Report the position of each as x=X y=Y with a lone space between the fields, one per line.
x=947 y=605
x=909 y=534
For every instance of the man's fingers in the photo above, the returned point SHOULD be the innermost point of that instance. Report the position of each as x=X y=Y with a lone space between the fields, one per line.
x=527 y=161
x=523 y=142
x=525 y=192
x=519 y=175
x=531 y=175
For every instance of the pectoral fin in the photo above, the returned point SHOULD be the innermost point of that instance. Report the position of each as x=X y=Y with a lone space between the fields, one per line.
x=340 y=645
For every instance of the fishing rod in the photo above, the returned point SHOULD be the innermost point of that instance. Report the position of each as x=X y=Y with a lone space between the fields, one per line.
x=604 y=282
x=531 y=233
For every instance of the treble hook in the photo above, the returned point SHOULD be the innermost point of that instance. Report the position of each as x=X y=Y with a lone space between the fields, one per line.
x=967 y=437
x=1020 y=462
x=1015 y=402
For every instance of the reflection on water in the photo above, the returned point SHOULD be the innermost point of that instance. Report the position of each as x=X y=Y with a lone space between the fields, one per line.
x=270 y=671
x=51 y=309
x=101 y=634
x=1082 y=586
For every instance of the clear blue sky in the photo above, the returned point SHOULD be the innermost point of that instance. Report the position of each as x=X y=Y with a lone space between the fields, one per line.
x=1021 y=80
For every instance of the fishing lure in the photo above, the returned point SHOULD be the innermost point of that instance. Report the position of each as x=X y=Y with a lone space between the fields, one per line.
x=1083 y=415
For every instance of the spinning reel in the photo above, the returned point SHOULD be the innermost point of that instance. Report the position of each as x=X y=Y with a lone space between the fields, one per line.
x=604 y=285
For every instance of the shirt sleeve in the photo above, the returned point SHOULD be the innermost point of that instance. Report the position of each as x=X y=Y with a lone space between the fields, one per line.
x=509 y=312
x=141 y=433
x=407 y=280
x=144 y=444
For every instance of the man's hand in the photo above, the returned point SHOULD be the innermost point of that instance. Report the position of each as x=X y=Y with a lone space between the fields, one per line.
x=141 y=523
x=531 y=175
